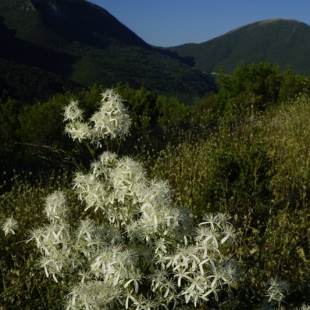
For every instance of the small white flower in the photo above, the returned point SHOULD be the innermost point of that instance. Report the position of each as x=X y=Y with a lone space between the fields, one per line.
x=181 y=273
x=111 y=120
x=229 y=234
x=72 y=112
x=135 y=278
x=107 y=158
x=277 y=290
x=55 y=206
x=86 y=230
x=212 y=220
x=214 y=290
x=9 y=226
x=77 y=131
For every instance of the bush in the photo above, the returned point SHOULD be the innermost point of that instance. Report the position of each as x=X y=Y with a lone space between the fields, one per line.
x=256 y=170
x=131 y=248
x=128 y=242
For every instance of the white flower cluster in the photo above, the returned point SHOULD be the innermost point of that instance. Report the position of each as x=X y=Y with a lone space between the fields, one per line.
x=110 y=121
x=142 y=253
x=277 y=291
x=303 y=307
x=9 y=226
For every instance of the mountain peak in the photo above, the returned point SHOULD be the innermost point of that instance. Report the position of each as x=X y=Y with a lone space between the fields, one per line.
x=285 y=42
x=268 y=22
x=275 y=20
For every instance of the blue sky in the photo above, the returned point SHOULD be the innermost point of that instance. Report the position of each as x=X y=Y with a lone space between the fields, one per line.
x=175 y=22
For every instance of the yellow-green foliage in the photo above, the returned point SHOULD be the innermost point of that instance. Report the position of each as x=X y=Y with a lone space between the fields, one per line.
x=187 y=168
x=288 y=141
x=216 y=171
x=23 y=285
x=257 y=170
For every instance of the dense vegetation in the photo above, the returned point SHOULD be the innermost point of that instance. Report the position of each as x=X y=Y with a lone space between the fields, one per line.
x=280 y=41
x=242 y=151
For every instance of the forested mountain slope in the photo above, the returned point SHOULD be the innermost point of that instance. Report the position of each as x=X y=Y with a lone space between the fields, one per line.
x=85 y=44
x=279 y=41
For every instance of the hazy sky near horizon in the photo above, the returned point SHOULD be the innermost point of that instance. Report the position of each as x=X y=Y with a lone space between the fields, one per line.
x=175 y=22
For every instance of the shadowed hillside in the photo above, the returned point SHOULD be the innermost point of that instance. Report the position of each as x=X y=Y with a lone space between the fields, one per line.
x=84 y=43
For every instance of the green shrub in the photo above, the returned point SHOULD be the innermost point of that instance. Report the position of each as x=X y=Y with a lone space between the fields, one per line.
x=239 y=169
